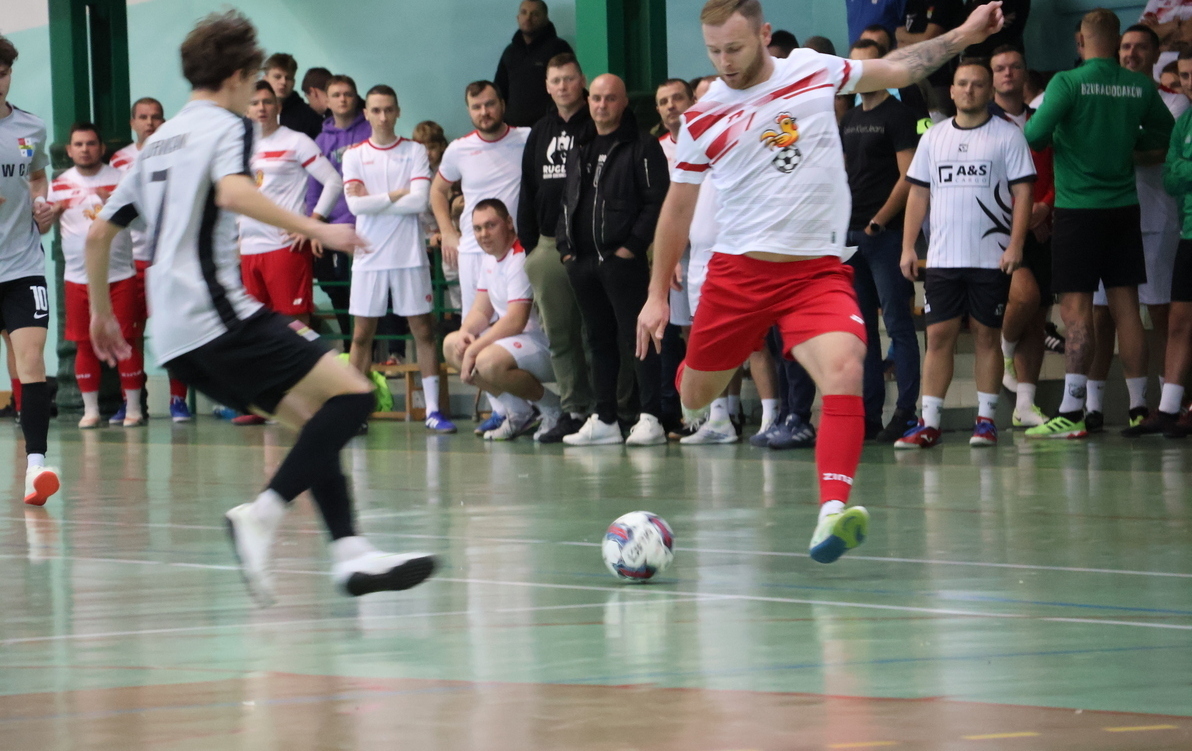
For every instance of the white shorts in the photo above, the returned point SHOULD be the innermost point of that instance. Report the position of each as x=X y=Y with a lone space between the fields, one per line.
x=469 y=279
x=680 y=309
x=696 y=274
x=1159 y=251
x=531 y=352
x=411 y=290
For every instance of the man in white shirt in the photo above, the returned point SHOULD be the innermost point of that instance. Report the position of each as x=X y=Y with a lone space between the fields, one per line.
x=508 y=357
x=767 y=136
x=188 y=186
x=971 y=169
x=387 y=179
x=77 y=195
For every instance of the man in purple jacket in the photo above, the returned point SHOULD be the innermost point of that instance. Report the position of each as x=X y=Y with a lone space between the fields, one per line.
x=346 y=127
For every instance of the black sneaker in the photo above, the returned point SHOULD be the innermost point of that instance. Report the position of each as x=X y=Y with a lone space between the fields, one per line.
x=1094 y=422
x=900 y=423
x=683 y=431
x=1153 y=424
x=872 y=428
x=1052 y=340
x=565 y=426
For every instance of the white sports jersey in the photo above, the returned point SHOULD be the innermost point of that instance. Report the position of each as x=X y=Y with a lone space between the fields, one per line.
x=79 y=193
x=22 y=152
x=1159 y=210
x=123 y=160
x=669 y=146
x=194 y=281
x=969 y=172
x=279 y=165
x=505 y=281
x=704 y=227
x=773 y=152
x=396 y=237
x=488 y=169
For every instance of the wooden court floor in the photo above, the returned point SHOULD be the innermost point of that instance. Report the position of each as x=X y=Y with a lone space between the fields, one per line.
x=1026 y=597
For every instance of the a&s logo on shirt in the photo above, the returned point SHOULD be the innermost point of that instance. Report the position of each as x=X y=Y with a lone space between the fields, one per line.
x=26 y=146
x=784 y=139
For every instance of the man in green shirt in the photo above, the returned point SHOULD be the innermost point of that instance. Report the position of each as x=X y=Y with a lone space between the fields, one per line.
x=1097 y=116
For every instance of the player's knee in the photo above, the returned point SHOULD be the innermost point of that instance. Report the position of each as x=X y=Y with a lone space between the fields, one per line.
x=491 y=364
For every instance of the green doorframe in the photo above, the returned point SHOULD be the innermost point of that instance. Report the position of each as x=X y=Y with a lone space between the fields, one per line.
x=628 y=38
x=89 y=81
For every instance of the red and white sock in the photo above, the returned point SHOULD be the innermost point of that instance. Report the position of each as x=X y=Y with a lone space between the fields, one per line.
x=838 y=446
x=177 y=389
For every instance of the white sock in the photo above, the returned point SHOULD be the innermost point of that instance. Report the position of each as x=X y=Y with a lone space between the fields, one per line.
x=986 y=405
x=1075 y=390
x=933 y=411
x=1094 y=400
x=1173 y=395
x=430 y=394
x=132 y=404
x=549 y=404
x=720 y=409
x=347 y=548
x=1026 y=398
x=90 y=403
x=831 y=507
x=496 y=406
x=269 y=507
x=514 y=405
x=734 y=404
x=692 y=416
x=36 y=460
x=1137 y=389
x=770 y=409
x=1008 y=348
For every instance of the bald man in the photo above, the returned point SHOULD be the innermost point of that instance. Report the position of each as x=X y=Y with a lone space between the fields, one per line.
x=616 y=182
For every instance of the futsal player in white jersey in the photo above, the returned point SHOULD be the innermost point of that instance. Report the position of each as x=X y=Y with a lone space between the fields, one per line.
x=500 y=346
x=189 y=184
x=387 y=179
x=24 y=301
x=976 y=172
x=77 y=195
x=766 y=135
x=146 y=117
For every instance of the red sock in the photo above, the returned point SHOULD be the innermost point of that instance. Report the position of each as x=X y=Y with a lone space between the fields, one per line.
x=86 y=368
x=16 y=394
x=838 y=446
x=177 y=389
x=132 y=371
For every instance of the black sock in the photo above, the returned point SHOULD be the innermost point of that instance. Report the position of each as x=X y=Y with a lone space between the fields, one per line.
x=35 y=416
x=313 y=463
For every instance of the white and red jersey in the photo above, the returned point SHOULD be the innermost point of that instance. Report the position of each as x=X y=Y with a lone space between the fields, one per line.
x=279 y=166
x=487 y=169
x=396 y=238
x=773 y=152
x=123 y=160
x=80 y=194
x=505 y=281
x=1160 y=212
x=669 y=145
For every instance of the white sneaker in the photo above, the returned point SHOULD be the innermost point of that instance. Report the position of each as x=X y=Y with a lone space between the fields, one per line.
x=712 y=431
x=40 y=484
x=252 y=539
x=89 y=422
x=1032 y=419
x=596 y=433
x=512 y=427
x=1010 y=376
x=361 y=569
x=549 y=420
x=647 y=432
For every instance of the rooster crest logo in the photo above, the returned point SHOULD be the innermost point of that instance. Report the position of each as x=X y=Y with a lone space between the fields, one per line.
x=784 y=139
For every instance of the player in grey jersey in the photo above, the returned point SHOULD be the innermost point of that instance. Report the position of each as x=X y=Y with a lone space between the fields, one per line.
x=24 y=299
x=188 y=185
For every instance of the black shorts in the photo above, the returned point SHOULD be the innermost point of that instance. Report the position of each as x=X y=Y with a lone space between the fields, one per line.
x=1036 y=257
x=252 y=365
x=24 y=303
x=951 y=293
x=1090 y=246
x=1181 y=274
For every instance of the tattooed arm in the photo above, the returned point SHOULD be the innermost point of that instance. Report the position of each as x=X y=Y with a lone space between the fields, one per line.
x=909 y=65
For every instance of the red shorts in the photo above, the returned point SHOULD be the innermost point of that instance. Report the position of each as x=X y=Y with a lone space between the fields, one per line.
x=124 y=304
x=743 y=297
x=281 y=279
x=142 y=300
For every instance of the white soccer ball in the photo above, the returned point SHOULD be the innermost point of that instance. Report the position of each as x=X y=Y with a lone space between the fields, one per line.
x=638 y=545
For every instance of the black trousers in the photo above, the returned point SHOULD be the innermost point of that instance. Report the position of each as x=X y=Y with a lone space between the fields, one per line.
x=610 y=294
x=336 y=266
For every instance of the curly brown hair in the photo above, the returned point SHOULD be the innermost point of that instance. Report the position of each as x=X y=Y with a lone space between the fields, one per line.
x=221 y=45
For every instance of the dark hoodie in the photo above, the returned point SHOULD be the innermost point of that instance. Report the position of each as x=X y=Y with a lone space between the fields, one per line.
x=543 y=173
x=521 y=75
x=297 y=115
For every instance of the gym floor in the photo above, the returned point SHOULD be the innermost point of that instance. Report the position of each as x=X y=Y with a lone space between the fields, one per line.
x=1031 y=596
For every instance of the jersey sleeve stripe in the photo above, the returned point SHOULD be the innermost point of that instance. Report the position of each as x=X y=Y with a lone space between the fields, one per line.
x=353 y=180
x=917 y=181
x=688 y=166
x=308 y=161
x=1024 y=179
x=124 y=215
x=246 y=156
x=848 y=75
x=412 y=179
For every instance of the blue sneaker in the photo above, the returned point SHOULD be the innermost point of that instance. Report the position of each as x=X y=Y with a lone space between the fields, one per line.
x=761 y=439
x=179 y=412
x=793 y=433
x=984 y=433
x=493 y=422
x=439 y=423
x=225 y=413
x=118 y=418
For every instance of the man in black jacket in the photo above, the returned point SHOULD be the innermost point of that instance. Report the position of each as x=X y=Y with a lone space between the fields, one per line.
x=615 y=185
x=521 y=74
x=280 y=70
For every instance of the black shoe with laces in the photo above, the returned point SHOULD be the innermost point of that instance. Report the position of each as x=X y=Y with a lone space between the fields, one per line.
x=1153 y=424
x=1094 y=422
x=565 y=426
x=900 y=422
x=1052 y=340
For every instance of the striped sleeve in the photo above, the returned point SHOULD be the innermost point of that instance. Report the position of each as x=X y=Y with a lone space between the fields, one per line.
x=691 y=162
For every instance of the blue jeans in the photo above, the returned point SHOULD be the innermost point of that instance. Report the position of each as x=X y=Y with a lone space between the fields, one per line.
x=879 y=283
x=795 y=387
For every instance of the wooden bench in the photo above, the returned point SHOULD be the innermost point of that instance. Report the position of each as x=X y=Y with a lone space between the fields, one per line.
x=410 y=374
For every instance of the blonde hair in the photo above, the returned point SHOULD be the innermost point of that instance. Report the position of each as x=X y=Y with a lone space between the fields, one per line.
x=717 y=12
x=1101 y=24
